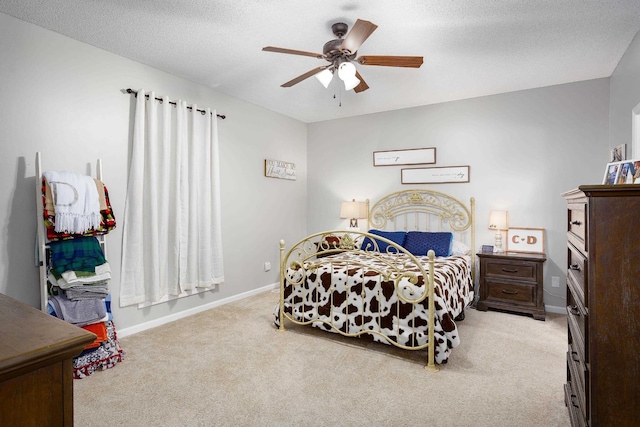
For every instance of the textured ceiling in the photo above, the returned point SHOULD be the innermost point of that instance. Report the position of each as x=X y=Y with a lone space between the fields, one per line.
x=471 y=47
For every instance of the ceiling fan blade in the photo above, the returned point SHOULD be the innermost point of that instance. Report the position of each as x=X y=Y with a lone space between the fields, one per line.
x=292 y=52
x=304 y=76
x=391 y=61
x=362 y=86
x=360 y=31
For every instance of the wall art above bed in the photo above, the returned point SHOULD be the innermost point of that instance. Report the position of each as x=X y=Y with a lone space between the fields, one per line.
x=411 y=156
x=435 y=175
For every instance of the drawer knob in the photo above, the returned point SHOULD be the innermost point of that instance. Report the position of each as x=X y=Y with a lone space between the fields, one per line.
x=575 y=222
x=508 y=292
x=509 y=270
x=573 y=403
x=575 y=267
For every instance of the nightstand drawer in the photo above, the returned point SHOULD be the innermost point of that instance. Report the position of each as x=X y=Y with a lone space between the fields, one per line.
x=510 y=269
x=512 y=293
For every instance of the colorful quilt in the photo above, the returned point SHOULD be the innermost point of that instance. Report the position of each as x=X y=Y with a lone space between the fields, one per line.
x=105 y=356
x=107 y=223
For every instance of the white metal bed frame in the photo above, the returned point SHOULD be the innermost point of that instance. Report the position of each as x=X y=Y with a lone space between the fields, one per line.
x=417 y=209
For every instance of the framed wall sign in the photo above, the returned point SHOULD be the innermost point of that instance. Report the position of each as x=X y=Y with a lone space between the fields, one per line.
x=412 y=156
x=279 y=169
x=435 y=175
x=529 y=240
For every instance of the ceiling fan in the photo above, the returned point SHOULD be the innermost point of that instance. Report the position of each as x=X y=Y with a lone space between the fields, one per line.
x=341 y=54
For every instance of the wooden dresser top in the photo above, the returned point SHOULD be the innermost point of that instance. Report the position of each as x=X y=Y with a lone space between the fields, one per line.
x=30 y=338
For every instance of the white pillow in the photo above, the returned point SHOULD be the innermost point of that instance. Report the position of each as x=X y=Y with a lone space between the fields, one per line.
x=459 y=248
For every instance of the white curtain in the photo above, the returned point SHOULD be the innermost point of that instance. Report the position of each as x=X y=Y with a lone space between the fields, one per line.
x=172 y=239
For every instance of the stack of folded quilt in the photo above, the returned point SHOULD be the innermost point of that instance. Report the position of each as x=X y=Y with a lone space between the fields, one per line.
x=76 y=209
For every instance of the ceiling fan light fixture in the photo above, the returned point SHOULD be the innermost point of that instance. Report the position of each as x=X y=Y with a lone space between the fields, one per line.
x=351 y=82
x=346 y=70
x=347 y=73
x=324 y=77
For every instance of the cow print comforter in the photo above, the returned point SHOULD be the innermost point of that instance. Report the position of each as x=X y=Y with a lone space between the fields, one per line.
x=334 y=293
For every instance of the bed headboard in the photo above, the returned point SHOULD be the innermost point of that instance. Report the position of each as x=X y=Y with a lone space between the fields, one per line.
x=425 y=210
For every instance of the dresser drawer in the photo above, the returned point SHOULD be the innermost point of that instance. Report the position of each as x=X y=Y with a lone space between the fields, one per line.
x=512 y=293
x=574 y=400
x=511 y=269
x=578 y=292
x=577 y=265
x=578 y=372
x=577 y=320
x=577 y=225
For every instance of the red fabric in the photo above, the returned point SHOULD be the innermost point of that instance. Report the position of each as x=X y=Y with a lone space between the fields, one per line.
x=100 y=330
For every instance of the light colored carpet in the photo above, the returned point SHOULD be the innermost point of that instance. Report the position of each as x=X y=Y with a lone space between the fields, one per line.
x=230 y=367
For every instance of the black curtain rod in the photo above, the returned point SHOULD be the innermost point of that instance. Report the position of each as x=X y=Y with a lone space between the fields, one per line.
x=203 y=112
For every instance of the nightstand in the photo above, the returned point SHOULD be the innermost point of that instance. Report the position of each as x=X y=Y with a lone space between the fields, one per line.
x=513 y=282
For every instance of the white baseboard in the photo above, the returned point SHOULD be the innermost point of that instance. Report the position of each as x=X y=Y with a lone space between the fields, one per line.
x=555 y=309
x=186 y=313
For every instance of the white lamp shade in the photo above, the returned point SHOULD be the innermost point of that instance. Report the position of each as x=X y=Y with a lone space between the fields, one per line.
x=325 y=76
x=498 y=220
x=353 y=210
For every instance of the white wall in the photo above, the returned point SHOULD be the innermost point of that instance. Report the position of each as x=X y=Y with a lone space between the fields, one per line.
x=524 y=148
x=63 y=98
x=625 y=96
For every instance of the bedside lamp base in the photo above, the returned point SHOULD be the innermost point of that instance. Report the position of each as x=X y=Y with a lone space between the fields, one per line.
x=498 y=244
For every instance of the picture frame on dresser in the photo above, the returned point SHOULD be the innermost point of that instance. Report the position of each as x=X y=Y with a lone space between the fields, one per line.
x=623 y=172
x=629 y=172
x=611 y=173
x=618 y=153
x=525 y=240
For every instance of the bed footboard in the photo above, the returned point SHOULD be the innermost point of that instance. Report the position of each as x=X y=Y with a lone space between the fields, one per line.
x=337 y=279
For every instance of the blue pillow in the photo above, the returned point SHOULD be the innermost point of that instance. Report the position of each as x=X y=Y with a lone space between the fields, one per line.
x=396 y=237
x=419 y=242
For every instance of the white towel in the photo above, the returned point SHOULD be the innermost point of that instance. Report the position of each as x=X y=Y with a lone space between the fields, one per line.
x=69 y=278
x=76 y=202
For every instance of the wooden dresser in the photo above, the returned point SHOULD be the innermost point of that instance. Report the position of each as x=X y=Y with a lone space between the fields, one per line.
x=512 y=281
x=603 y=305
x=36 y=366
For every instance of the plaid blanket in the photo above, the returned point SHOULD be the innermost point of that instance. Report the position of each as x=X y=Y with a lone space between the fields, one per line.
x=79 y=254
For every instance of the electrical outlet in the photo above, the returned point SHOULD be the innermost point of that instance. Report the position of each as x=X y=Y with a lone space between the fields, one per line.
x=555 y=281
x=267 y=266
